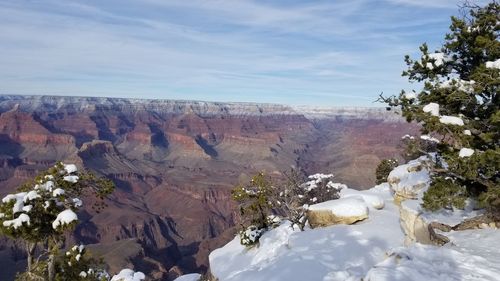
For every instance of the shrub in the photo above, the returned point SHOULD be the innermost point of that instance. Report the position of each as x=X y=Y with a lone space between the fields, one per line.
x=384 y=168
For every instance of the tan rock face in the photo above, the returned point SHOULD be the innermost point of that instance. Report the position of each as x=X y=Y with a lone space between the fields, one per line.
x=322 y=218
x=414 y=227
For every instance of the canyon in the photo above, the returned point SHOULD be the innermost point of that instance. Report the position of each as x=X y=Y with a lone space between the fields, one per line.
x=174 y=164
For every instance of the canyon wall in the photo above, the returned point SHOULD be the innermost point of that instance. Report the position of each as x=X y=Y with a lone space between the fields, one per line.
x=175 y=162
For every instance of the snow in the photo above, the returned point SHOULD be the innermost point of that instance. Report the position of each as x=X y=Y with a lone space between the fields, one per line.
x=128 y=275
x=48 y=185
x=451 y=120
x=19 y=198
x=493 y=64
x=372 y=200
x=462 y=259
x=316 y=179
x=189 y=277
x=252 y=233
x=410 y=95
x=343 y=207
x=72 y=179
x=77 y=202
x=432 y=108
x=338 y=252
x=372 y=250
x=465 y=152
x=467 y=132
x=429 y=138
x=410 y=179
x=58 y=192
x=462 y=85
x=449 y=217
x=65 y=217
x=17 y=222
x=70 y=168
x=439 y=59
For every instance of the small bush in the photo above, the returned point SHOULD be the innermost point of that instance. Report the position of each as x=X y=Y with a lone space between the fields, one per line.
x=384 y=168
x=250 y=236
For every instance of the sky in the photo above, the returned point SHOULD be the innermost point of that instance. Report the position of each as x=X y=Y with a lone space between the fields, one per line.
x=318 y=53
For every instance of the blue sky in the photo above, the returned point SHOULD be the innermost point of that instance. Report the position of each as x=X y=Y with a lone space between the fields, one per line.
x=323 y=53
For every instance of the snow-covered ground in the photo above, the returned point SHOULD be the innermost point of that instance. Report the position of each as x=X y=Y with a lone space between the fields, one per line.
x=471 y=255
x=339 y=252
x=369 y=250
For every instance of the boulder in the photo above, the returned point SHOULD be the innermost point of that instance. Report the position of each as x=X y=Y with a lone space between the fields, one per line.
x=340 y=211
x=372 y=200
x=410 y=180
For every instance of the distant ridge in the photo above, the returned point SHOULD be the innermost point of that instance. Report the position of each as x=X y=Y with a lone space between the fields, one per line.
x=202 y=108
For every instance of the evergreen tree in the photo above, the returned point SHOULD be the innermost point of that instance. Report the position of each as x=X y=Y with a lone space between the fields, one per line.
x=43 y=211
x=458 y=108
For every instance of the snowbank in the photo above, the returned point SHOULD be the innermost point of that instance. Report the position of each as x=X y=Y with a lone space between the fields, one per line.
x=336 y=252
x=465 y=259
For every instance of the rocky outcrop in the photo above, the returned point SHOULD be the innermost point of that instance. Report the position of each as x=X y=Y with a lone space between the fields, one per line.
x=414 y=226
x=340 y=211
x=409 y=181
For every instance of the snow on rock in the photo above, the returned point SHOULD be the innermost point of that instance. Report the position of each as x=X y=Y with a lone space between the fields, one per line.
x=371 y=199
x=449 y=217
x=465 y=152
x=493 y=64
x=65 y=217
x=467 y=132
x=189 y=277
x=128 y=275
x=451 y=120
x=339 y=211
x=432 y=108
x=411 y=179
x=70 y=168
x=72 y=179
x=338 y=252
x=17 y=222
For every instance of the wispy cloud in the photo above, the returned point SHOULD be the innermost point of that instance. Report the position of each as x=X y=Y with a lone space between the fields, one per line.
x=311 y=52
